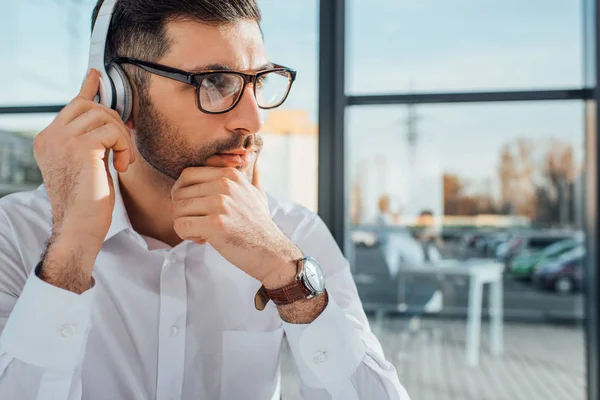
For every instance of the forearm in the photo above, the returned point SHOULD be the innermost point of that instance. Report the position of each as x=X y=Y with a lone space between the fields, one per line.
x=285 y=270
x=303 y=311
x=67 y=263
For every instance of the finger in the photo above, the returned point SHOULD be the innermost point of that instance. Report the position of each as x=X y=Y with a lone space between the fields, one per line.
x=195 y=175
x=256 y=176
x=92 y=119
x=198 y=227
x=257 y=183
x=95 y=118
x=110 y=137
x=74 y=109
x=90 y=86
x=212 y=205
x=218 y=186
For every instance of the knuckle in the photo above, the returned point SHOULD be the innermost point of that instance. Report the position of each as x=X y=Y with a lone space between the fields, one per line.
x=227 y=187
x=232 y=174
x=183 y=225
x=221 y=201
x=182 y=204
x=39 y=142
x=114 y=113
x=185 y=175
x=217 y=221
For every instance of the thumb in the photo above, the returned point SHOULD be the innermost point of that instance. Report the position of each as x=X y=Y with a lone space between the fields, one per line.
x=256 y=176
x=257 y=184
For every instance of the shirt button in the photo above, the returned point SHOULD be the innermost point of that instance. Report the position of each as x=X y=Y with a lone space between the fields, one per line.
x=174 y=330
x=320 y=357
x=67 y=331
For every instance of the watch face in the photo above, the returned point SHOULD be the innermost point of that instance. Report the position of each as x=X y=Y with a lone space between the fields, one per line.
x=313 y=275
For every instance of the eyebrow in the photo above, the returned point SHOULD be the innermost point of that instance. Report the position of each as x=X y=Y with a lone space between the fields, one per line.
x=223 y=67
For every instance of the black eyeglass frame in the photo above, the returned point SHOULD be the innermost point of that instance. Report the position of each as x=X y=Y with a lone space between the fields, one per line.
x=195 y=79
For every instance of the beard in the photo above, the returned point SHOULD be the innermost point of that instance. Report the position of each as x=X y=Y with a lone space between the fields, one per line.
x=166 y=150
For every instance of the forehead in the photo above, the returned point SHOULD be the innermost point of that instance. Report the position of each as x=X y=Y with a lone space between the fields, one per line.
x=238 y=45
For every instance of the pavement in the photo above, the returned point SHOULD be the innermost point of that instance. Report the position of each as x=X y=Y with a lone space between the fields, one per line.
x=540 y=362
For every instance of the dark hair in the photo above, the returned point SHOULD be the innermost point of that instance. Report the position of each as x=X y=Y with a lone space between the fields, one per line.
x=138 y=26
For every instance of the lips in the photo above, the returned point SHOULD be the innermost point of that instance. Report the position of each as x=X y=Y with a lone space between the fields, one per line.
x=231 y=159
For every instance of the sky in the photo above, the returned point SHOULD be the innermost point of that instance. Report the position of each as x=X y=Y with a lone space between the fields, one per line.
x=393 y=46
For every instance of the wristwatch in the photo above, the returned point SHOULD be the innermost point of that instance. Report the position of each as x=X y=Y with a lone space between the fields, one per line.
x=308 y=284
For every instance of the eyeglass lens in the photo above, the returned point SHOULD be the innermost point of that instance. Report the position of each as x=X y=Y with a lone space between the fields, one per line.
x=219 y=91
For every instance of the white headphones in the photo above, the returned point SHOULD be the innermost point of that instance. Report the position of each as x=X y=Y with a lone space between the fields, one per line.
x=115 y=89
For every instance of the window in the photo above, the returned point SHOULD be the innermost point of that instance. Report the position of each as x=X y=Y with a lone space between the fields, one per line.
x=288 y=161
x=444 y=197
x=430 y=46
x=45 y=48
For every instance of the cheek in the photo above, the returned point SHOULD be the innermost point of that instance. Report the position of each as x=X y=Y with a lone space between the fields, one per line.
x=178 y=106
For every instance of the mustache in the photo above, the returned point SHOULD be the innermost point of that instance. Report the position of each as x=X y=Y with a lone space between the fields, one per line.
x=235 y=142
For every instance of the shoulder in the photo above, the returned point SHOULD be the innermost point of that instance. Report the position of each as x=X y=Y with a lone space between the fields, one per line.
x=291 y=217
x=26 y=217
x=30 y=206
x=25 y=225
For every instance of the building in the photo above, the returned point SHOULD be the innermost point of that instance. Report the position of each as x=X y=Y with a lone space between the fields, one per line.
x=18 y=168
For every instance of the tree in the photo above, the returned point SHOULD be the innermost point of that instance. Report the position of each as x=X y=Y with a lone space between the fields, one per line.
x=516 y=173
x=555 y=194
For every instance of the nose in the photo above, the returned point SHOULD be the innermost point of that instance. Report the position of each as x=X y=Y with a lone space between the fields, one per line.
x=246 y=117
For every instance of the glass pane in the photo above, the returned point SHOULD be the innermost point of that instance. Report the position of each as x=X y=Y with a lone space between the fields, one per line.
x=443 y=196
x=18 y=169
x=436 y=46
x=44 y=50
x=288 y=161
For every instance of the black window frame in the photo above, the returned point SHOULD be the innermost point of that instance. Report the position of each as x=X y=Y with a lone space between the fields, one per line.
x=333 y=101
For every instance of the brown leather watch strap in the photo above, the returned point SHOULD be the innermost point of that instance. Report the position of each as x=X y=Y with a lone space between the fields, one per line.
x=289 y=294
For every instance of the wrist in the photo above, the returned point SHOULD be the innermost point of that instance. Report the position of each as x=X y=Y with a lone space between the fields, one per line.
x=68 y=263
x=283 y=269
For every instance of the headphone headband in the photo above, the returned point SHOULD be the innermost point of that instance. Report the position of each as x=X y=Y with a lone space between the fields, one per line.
x=98 y=49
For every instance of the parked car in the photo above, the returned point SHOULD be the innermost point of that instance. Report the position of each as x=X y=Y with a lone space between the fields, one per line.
x=529 y=243
x=562 y=274
x=522 y=266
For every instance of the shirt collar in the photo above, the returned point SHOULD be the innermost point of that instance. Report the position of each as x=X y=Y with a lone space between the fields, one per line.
x=120 y=219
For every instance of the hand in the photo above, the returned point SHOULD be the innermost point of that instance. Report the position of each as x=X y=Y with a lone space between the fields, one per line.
x=220 y=206
x=72 y=153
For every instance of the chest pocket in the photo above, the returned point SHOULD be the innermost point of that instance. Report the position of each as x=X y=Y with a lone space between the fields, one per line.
x=250 y=365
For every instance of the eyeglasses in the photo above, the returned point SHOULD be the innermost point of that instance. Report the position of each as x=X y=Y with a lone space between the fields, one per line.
x=219 y=91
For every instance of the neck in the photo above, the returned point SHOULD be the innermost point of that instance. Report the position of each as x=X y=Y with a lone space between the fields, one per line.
x=147 y=199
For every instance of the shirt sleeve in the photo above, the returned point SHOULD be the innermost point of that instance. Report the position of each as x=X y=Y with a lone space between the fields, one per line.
x=337 y=355
x=43 y=330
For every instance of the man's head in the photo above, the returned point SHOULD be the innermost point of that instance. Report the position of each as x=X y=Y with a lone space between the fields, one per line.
x=170 y=132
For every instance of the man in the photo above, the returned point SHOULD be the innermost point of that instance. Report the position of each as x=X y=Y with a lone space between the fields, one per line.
x=146 y=285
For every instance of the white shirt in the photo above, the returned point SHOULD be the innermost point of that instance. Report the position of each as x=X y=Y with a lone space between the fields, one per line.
x=174 y=323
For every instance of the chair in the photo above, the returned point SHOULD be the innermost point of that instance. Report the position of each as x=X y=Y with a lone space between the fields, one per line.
x=384 y=292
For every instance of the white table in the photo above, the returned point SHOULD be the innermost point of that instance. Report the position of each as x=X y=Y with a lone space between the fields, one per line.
x=480 y=272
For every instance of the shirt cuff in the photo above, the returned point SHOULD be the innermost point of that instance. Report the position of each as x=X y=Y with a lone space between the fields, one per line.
x=48 y=327
x=327 y=351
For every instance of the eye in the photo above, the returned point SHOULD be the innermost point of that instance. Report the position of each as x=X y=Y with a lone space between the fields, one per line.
x=218 y=81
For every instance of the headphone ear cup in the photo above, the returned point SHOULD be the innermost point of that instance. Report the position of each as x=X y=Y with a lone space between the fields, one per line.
x=122 y=92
